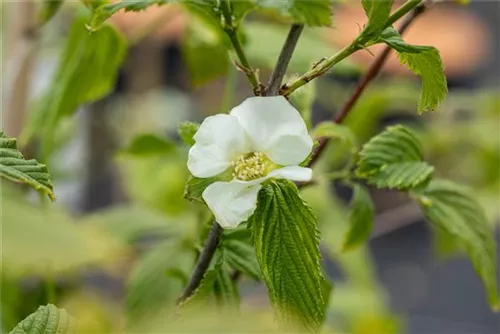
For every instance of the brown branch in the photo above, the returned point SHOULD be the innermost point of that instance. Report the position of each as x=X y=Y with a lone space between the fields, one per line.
x=371 y=74
x=284 y=59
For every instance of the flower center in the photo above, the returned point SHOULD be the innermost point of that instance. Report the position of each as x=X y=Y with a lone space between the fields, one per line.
x=251 y=166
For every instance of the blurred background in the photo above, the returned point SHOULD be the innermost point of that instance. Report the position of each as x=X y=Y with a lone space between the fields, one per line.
x=120 y=241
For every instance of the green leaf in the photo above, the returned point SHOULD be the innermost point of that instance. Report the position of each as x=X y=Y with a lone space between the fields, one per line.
x=394 y=159
x=240 y=8
x=162 y=268
x=14 y=167
x=360 y=219
x=378 y=13
x=45 y=241
x=87 y=72
x=187 y=130
x=104 y=12
x=334 y=131
x=310 y=12
x=149 y=144
x=453 y=209
x=48 y=10
x=239 y=251
x=195 y=185
x=47 y=320
x=287 y=247
x=424 y=61
x=216 y=286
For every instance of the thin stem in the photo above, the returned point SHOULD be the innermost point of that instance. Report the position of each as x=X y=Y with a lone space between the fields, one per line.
x=284 y=59
x=325 y=65
x=203 y=262
x=363 y=83
x=232 y=32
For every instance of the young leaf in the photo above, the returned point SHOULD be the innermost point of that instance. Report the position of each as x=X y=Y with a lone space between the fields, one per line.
x=360 y=219
x=48 y=320
x=48 y=10
x=335 y=131
x=195 y=185
x=394 y=159
x=239 y=251
x=14 y=167
x=453 y=209
x=378 y=13
x=187 y=130
x=424 y=61
x=310 y=12
x=149 y=144
x=104 y=12
x=87 y=72
x=287 y=247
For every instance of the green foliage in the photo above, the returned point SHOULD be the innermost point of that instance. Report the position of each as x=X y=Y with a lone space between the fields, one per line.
x=86 y=73
x=454 y=210
x=195 y=186
x=47 y=320
x=394 y=159
x=149 y=144
x=14 y=167
x=103 y=12
x=239 y=251
x=216 y=287
x=309 y=12
x=48 y=10
x=45 y=241
x=334 y=131
x=424 y=61
x=360 y=218
x=166 y=267
x=378 y=14
x=187 y=130
x=287 y=247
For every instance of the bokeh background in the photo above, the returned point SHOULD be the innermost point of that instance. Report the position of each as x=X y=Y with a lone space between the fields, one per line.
x=105 y=250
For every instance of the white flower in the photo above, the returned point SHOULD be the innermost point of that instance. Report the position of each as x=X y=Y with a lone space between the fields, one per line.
x=262 y=138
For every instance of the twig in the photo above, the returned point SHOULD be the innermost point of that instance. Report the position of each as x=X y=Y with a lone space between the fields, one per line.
x=203 y=262
x=231 y=32
x=363 y=83
x=324 y=66
x=284 y=59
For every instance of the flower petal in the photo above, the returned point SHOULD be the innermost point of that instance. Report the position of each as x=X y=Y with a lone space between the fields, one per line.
x=275 y=128
x=231 y=202
x=218 y=141
x=292 y=173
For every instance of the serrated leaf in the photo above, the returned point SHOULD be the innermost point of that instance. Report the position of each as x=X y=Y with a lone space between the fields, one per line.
x=378 y=13
x=47 y=320
x=14 y=167
x=149 y=144
x=360 y=218
x=239 y=251
x=310 y=12
x=394 y=159
x=453 y=209
x=424 y=61
x=287 y=247
x=87 y=72
x=195 y=185
x=104 y=12
x=48 y=9
x=187 y=130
